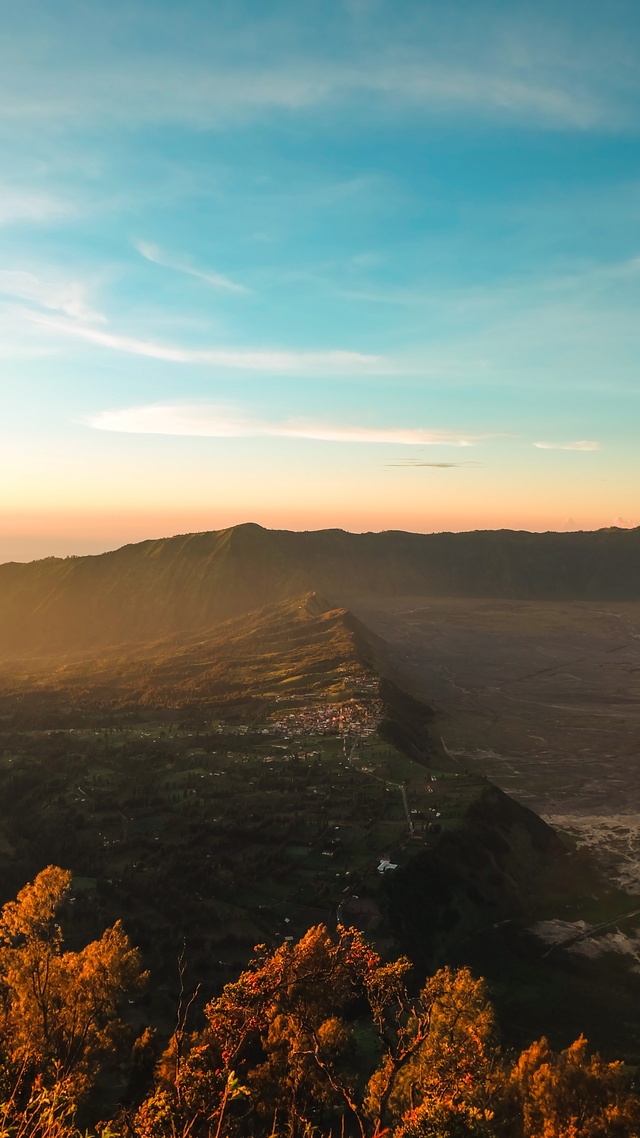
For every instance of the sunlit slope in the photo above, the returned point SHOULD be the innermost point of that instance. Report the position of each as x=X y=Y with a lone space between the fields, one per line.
x=240 y=666
x=174 y=585
x=140 y=592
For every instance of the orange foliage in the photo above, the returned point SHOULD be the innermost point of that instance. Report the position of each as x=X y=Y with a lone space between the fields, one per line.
x=572 y=1094
x=59 y=1010
x=320 y=1037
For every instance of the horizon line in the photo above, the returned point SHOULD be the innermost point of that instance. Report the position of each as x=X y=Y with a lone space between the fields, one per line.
x=323 y=529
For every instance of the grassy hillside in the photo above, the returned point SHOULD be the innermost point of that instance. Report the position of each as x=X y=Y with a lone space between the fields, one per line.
x=288 y=651
x=158 y=588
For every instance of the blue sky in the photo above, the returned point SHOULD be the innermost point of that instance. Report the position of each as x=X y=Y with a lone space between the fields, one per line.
x=362 y=263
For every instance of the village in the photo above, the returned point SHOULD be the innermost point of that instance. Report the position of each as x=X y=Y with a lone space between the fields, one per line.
x=354 y=717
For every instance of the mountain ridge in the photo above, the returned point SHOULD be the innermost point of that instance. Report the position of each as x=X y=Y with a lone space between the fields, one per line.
x=244 y=662
x=181 y=584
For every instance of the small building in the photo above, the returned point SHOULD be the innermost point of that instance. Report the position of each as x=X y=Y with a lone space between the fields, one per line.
x=386 y=866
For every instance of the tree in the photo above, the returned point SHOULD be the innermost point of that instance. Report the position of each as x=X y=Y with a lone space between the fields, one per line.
x=59 y=1010
x=317 y=1037
x=441 y=1058
x=569 y=1094
x=281 y=1026
x=323 y=1034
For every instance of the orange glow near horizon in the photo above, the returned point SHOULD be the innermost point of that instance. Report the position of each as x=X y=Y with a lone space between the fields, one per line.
x=27 y=536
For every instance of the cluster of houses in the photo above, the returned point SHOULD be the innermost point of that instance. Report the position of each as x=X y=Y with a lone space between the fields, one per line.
x=352 y=717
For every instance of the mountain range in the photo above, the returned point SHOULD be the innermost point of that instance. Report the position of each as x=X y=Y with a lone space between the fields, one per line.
x=183 y=584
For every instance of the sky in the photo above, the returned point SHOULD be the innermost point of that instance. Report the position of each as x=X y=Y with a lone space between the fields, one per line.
x=372 y=264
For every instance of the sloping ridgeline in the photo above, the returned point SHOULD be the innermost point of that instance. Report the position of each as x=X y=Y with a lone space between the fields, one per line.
x=110 y=764
x=158 y=588
x=484 y=867
x=239 y=669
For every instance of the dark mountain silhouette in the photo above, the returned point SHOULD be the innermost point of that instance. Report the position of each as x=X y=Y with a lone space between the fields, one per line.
x=176 y=585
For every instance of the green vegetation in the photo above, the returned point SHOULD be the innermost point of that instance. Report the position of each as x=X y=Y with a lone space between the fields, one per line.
x=213 y=832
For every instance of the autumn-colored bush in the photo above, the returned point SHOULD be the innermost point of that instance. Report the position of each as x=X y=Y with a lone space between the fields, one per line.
x=322 y=1037
x=59 y=1017
x=570 y=1094
x=315 y=1039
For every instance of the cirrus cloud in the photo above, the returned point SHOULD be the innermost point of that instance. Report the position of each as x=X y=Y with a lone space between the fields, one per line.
x=334 y=360
x=214 y=421
x=415 y=464
x=155 y=90
x=67 y=296
x=179 y=265
x=582 y=444
x=23 y=204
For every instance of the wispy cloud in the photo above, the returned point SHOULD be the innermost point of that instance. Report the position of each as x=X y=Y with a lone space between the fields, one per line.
x=582 y=444
x=24 y=204
x=415 y=464
x=596 y=276
x=158 y=91
x=334 y=361
x=63 y=308
x=158 y=257
x=586 y=282
x=212 y=421
x=69 y=297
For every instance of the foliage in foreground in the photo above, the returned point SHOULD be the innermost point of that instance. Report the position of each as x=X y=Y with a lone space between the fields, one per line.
x=317 y=1038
